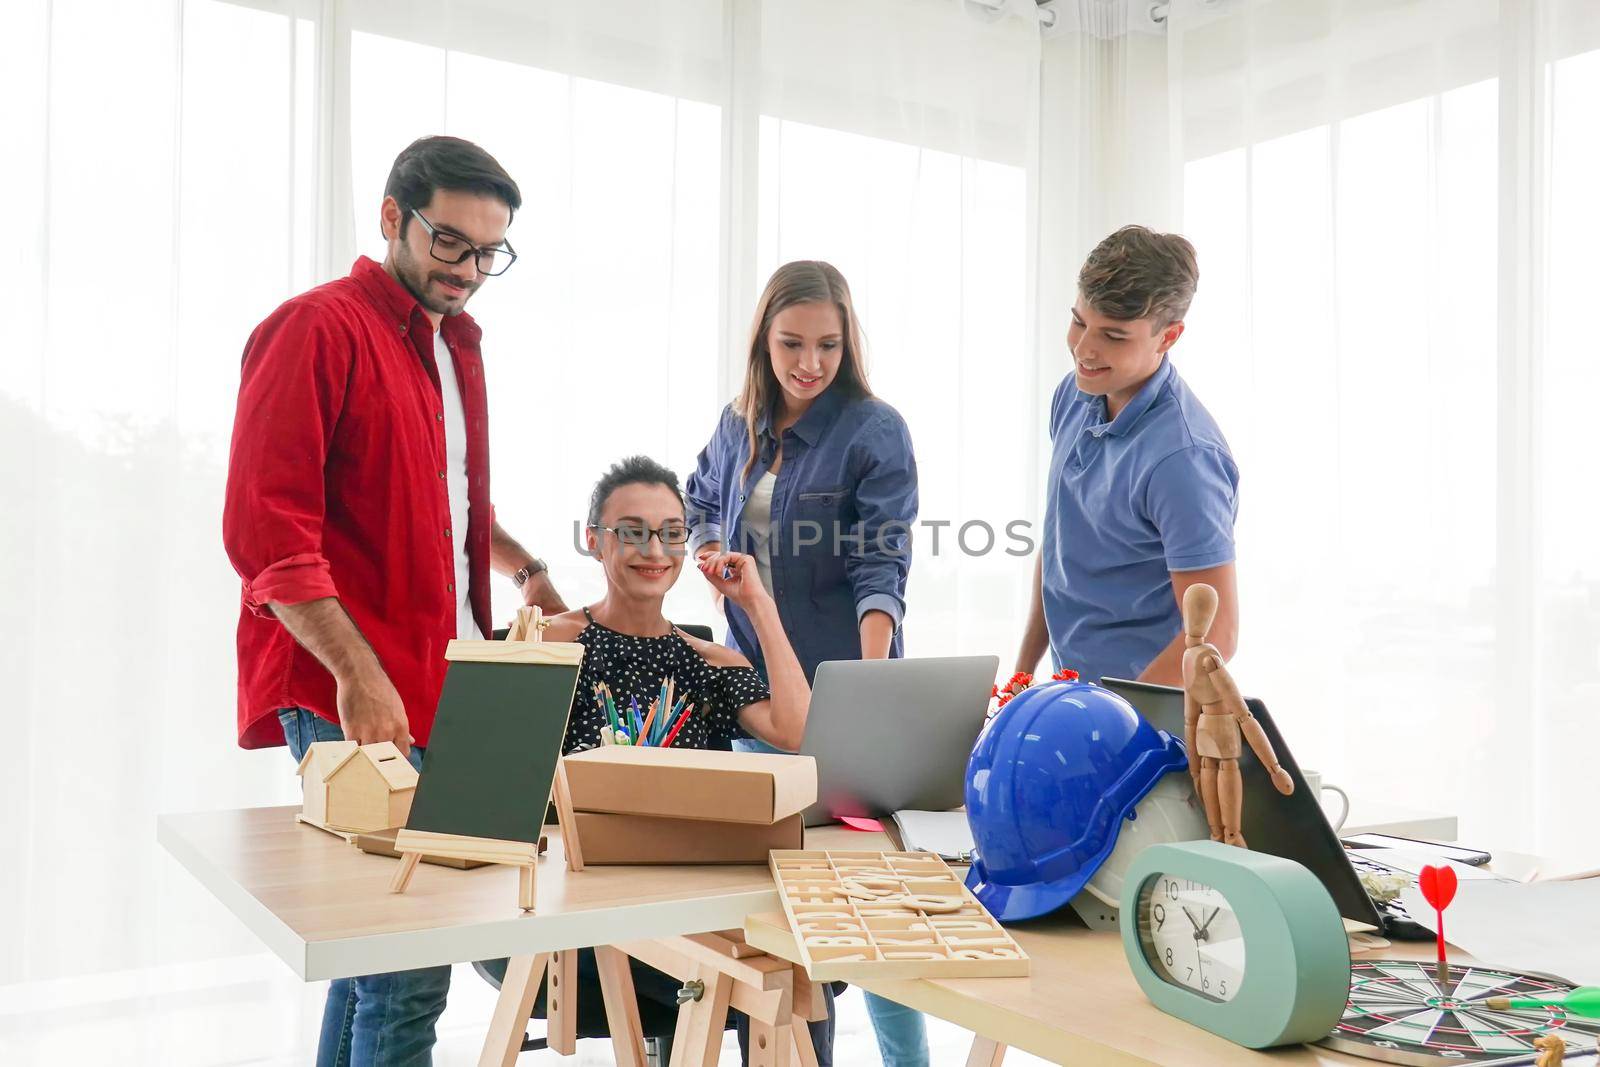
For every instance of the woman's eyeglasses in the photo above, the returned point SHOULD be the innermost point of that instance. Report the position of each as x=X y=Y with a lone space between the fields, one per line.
x=638 y=535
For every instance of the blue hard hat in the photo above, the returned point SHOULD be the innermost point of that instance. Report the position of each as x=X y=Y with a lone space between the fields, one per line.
x=1048 y=784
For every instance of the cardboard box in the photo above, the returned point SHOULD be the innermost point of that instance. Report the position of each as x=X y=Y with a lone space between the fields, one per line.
x=759 y=788
x=630 y=839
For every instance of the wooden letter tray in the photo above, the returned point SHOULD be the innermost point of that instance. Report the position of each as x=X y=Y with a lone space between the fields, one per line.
x=889 y=915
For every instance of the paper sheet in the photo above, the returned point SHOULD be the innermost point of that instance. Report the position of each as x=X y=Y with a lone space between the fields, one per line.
x=1551 y=927
x=944 y=833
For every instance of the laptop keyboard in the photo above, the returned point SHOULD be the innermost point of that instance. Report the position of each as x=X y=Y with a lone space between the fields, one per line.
x=1398 y=925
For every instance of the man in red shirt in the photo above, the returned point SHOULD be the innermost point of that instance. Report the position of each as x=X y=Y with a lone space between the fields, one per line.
x=358 y=517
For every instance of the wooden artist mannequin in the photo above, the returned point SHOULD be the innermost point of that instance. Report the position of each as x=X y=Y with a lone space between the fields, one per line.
x=1214 y=717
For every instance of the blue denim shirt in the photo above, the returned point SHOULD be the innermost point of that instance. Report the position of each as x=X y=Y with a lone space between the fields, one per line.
x=842 y=512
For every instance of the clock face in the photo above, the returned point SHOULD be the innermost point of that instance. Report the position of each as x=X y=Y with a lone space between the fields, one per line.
x=1191 y=936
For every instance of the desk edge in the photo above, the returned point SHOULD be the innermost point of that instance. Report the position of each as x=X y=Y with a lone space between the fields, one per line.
x=246 y=907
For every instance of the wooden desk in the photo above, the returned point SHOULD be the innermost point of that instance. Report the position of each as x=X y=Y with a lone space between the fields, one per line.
x=325 y=908
x=1081 y=1004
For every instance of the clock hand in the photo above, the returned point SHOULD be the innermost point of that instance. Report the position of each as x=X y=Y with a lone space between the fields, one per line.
x=1207 y=924
x=1190 y=916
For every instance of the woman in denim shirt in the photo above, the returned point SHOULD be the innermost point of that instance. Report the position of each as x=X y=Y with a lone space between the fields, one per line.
x=815 y=477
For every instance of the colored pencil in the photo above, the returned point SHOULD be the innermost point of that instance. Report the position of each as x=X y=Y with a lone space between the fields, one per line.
x=687 y=711
x=645 y=729
x=606 y=709
x=671 y=720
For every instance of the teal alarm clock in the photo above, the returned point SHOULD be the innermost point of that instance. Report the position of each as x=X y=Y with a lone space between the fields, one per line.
x=1246 y=945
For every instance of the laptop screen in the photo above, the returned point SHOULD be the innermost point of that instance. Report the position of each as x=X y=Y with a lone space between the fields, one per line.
x=1293 y=826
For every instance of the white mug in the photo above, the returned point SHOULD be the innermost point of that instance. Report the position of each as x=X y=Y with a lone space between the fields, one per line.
x=1318 y=787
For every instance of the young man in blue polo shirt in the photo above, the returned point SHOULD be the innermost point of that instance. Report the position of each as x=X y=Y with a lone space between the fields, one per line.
x=1143 y=490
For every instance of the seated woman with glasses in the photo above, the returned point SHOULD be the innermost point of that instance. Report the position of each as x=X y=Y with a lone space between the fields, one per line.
x=636 y=530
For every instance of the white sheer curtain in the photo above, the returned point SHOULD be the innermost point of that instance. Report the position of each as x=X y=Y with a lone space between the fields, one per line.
x=906 y=166
x=670 y=155
x=1395 y=214
x=602 y=341
x=157 y=161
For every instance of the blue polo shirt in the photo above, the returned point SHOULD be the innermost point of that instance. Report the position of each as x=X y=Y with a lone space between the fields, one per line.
x=1130 y=499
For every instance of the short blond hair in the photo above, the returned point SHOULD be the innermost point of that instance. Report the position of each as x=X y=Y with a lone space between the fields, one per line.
x=1137 y=273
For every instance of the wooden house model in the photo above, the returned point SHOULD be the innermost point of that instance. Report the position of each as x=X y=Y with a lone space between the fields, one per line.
x=356 y=788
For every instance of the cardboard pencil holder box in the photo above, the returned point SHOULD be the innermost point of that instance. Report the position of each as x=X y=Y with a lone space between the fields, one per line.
x=630 y=839
x=682 y=783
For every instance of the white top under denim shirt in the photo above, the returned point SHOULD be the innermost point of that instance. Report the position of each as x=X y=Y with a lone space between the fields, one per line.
x=758 y=524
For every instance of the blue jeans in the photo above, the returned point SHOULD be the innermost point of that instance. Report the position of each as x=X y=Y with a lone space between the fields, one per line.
x=902 y=1033
x=378 y=1020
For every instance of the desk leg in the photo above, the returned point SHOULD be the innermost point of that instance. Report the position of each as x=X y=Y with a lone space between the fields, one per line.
x=561 y=1003
x=805 y=1053
x=770 y=1044
x=698 y=1039
x=986 y=1052
x=809 y=1002
x=622 y=1006
x=510 y=1021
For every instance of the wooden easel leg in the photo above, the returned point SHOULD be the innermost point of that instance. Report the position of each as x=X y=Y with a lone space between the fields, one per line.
x=622 y=1006
x=561 y=1003
x=698 y=1040
x=402 y=876
x=986 y=1052
x=569 y=822
x=525 y=886
x=509 y=1024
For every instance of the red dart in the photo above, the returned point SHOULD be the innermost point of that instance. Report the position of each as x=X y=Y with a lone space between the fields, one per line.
x=1438 y=885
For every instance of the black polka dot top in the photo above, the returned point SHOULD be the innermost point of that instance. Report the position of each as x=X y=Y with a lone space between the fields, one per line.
x=636 y=666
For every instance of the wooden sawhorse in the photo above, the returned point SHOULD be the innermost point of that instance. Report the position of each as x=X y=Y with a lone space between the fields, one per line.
x=777 y=995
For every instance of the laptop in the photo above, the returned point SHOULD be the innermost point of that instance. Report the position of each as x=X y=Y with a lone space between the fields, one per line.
x=892 y=734
x=1294 y=827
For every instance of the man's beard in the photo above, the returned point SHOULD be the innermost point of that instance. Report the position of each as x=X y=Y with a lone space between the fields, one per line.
x=416 y=278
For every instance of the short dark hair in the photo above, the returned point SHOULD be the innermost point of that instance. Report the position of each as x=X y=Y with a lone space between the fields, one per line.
x=432 y=163
x=634 y=470
x=1137 y=273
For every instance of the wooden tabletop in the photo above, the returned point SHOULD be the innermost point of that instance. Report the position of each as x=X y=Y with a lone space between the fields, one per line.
x=1080 y=1004
x=326 y=910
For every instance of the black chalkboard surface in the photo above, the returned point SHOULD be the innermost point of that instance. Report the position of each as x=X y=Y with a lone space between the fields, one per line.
x=496 y=739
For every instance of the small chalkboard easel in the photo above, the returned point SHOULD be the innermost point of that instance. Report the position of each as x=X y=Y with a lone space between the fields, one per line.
x=492 y=759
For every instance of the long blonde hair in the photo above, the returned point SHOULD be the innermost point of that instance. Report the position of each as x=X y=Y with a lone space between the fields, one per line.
x=805 y=281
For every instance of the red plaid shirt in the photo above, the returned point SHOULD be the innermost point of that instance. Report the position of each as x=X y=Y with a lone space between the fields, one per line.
x=337 y=487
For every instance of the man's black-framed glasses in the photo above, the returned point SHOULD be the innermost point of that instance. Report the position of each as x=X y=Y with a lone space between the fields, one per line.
x=452 y=248
x=638 y=534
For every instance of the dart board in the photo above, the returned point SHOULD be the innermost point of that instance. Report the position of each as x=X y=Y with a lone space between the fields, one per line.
x=1399 y=1013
